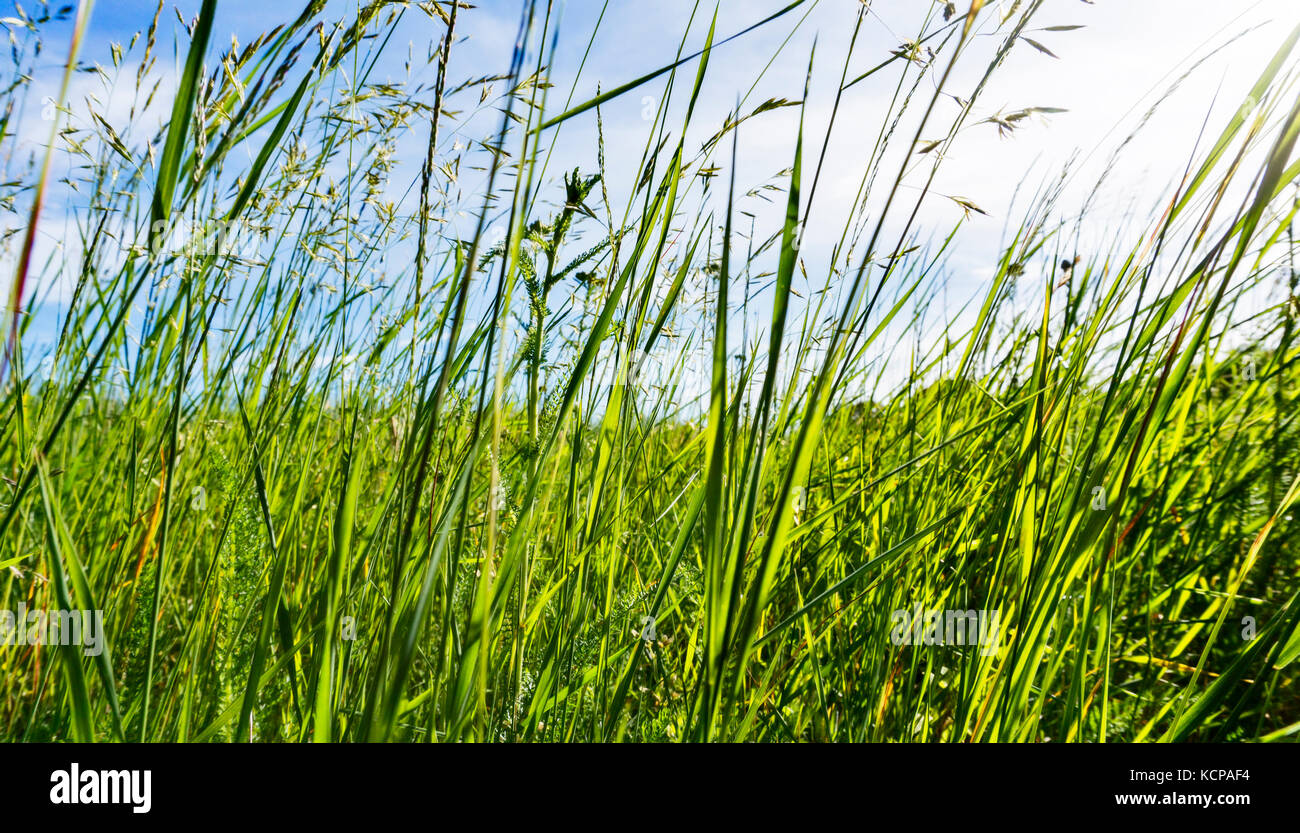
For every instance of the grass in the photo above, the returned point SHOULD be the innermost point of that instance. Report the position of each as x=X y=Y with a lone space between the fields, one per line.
x=611 y=475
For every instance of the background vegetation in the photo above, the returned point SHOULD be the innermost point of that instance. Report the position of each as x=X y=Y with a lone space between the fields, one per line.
x=338 y=466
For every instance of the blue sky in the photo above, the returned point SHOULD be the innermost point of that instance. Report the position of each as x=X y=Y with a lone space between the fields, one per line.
x=1105 y=72
x=1107 y=75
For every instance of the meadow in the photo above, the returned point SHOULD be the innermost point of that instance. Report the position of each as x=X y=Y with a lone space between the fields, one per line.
x=347 y=447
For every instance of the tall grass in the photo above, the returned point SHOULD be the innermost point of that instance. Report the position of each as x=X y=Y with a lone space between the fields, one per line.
x=375 y=474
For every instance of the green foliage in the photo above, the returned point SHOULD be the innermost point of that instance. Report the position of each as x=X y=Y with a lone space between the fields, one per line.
x=324 y=495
